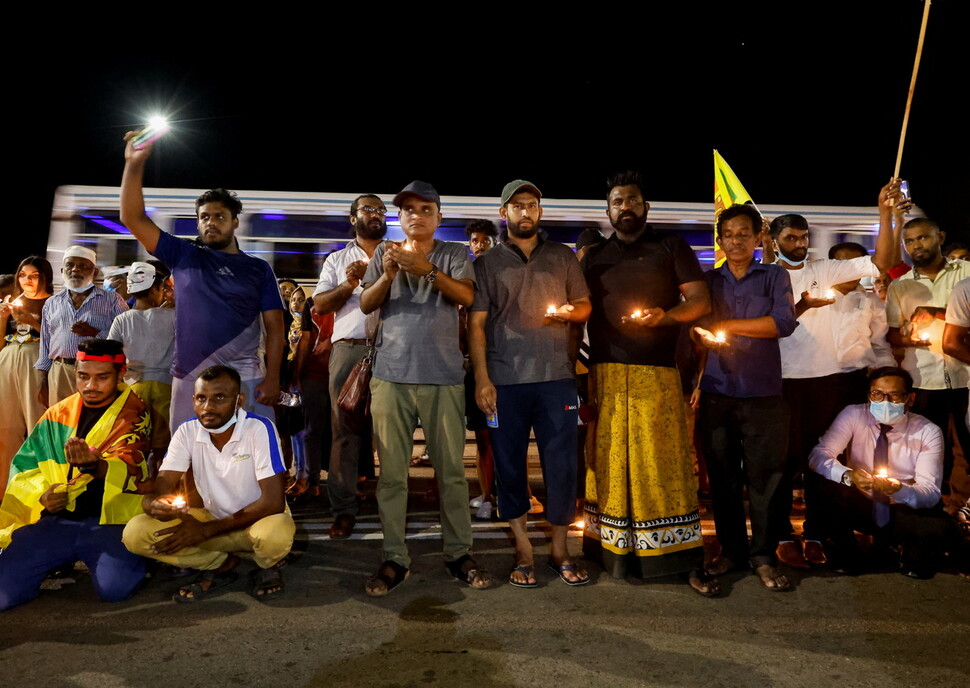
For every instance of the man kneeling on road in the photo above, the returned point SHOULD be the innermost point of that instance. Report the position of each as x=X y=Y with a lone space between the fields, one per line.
x=238 y=471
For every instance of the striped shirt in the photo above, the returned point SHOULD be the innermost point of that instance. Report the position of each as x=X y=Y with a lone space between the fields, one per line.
x=59 y=315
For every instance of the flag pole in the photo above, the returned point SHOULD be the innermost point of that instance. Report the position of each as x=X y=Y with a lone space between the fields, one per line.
x=912 y=86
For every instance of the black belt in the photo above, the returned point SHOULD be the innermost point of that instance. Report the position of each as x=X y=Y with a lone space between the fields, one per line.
x=355 y=342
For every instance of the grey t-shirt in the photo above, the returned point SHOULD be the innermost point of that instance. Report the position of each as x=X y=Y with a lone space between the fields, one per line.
x=522 y=345
x=417 y=342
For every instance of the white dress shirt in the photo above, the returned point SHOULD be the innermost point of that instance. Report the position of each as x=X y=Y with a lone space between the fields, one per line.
x=915 y=453
x=929 y=366
x=349 y=322
x=812 y=349
x=859 y=331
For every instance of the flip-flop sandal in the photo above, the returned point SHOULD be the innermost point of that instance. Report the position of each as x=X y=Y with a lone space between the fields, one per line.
x=705 y=579
x=197 y=592
x=475 y=573
x=262 y=580
x=391 y=574
x=527 y=570
x=563 y=569
x=773 y=588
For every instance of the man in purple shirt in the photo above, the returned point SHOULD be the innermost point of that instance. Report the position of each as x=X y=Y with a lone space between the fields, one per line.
x=743 y=421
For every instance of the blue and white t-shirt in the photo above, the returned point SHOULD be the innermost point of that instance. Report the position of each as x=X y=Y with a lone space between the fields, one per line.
x=220 y=298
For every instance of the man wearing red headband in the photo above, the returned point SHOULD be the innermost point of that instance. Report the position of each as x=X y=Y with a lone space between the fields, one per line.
x=76 y=482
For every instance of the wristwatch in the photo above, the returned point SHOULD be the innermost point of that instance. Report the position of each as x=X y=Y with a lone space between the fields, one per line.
x=433 y=275
x=847 y=479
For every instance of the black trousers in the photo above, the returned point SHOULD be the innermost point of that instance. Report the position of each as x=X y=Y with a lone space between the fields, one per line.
x=939 y=406
x=813 y=404
x=744 y=443
x=924 y=534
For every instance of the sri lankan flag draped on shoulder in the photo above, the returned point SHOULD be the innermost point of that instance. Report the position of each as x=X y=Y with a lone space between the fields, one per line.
x=120 y=435
x=728 y=191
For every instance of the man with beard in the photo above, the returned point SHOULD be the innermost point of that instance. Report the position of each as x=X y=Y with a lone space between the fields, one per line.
x=237 y=468
x=641 y=494
x=916 y=313
x=338 y=292
x=529 y=290
x=208 y=274
x=79 y=312
x=76 y=482
x=416 y=286
x=817 y=381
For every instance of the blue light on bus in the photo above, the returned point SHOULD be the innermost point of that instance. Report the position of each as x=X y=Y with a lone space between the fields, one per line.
x=110 y=224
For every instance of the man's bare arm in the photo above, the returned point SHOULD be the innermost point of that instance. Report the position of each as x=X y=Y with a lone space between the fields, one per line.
x=133 y=215
x=268 y=391
x=883 y=257
x=955 y=342
x=485 y=393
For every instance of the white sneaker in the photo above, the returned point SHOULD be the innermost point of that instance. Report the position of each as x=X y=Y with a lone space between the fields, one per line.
x=484 y=512
x=476 y=502
x=536 y=507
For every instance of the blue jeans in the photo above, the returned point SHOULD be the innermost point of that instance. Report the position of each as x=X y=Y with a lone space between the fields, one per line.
x=52 y=542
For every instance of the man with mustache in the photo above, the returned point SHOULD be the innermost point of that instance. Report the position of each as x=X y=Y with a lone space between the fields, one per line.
x=817 y=382
x=529 y=291
x=81 y=311
x=208 y=273
x=642 y=514
x=916 y=313
x=417 y=286
x=338 y=292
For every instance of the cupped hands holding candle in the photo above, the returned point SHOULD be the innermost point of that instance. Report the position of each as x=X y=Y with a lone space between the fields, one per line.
x=648 y=317
x=559 y=313
x=712 y=340
x=168 y=507
x=882 y=483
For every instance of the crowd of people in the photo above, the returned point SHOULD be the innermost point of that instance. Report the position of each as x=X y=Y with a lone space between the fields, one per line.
x=172 y=414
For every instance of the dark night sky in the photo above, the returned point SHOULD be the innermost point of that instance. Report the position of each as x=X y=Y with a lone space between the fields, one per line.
x=805 y=103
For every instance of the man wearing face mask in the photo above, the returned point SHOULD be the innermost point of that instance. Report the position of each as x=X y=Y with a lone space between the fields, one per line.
x=237 y=468
x=81 y=311
x=817 y=382
x=890 y=484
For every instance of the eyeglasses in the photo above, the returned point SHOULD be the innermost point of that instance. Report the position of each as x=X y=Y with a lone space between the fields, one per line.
x=895 y=397
x=372 y=210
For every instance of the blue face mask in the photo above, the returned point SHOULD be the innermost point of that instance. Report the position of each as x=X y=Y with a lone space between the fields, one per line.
x=887 y=412
x=793 y=263
x=81 y=290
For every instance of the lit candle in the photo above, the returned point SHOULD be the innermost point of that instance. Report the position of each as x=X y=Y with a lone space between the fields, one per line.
x=882 y=473
x=720 y=337
x=636 y=315
x=924 y=336
x=830 y=293
x=407 y=246
x=551 y=310
x=178 y=502
x=579 y=524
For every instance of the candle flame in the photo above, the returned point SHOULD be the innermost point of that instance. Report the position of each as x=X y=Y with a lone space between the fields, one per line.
x=637 y=314
x=579 y=524
x=830 y=293
x=720 y=337
x=551 y=309
x=924 y=336
x=882 y=473
x=178 y=502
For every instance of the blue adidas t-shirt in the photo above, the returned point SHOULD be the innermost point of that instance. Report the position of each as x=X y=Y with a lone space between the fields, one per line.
x=218 y=305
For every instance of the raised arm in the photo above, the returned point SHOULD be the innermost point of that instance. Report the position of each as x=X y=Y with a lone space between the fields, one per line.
x=887 y=253
x=133 y=215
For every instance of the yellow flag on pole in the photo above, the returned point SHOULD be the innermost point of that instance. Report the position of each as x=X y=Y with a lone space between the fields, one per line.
x=728 y=190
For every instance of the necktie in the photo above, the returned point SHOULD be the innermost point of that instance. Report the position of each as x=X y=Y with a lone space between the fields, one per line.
x=880 y=461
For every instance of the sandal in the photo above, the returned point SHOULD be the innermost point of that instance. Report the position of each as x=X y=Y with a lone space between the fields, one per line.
x=779 y=581
x=266 y=584
x=582 y=578
x=389 y=576
x=195 y=591
x=699 y=579
x=529 y=572
x=466 y=569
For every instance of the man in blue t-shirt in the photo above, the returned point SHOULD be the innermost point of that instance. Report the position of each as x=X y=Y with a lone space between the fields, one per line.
x=212 y=276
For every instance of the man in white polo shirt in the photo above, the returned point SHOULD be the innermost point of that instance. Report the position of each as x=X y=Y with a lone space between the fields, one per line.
x=338 y=292
x=238 y=471
x=916 y=313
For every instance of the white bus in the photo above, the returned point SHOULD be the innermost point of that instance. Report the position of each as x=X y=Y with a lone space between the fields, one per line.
x=293 y=231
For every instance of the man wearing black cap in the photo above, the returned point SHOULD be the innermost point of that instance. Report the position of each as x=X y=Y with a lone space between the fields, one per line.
x=417 y=285
x=529 y=290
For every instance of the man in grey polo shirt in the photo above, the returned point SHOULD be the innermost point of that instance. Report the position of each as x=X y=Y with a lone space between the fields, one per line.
x=529 y=290
x=418 y=285
x=338 y=292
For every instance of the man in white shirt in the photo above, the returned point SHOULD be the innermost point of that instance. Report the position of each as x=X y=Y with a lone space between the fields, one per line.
x=890 y=484
x=817 y=383
x=916 y=314
x=238 y=470
x=338 y=292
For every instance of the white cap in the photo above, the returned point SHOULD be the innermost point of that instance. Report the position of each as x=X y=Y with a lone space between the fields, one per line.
x=81 y=252
x=141 y=277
